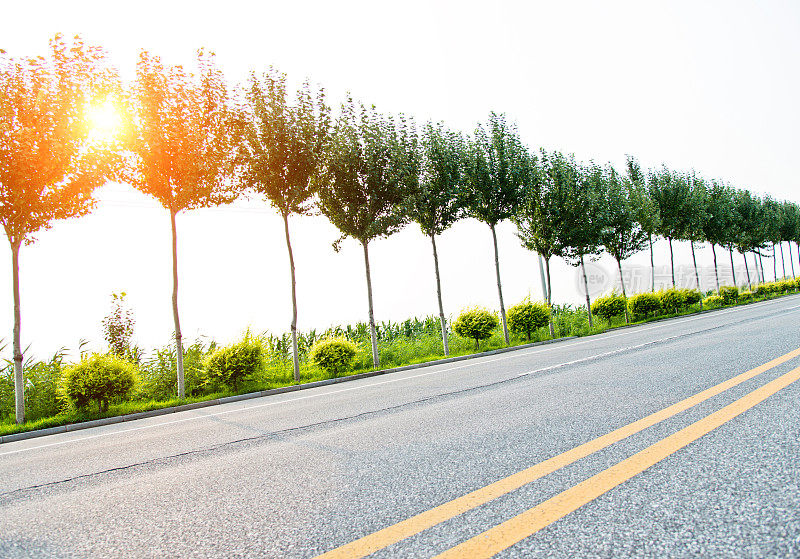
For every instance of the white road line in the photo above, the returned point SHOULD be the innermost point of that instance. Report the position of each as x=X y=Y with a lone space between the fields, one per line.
x=380 y=383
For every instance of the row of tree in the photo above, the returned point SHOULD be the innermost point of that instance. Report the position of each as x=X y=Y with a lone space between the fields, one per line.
x=190 y=140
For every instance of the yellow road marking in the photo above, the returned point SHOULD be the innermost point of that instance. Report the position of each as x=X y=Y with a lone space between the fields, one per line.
x=504 y=535
x=392 y=534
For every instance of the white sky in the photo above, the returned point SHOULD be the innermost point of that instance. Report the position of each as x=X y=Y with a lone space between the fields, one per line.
x=706 y=85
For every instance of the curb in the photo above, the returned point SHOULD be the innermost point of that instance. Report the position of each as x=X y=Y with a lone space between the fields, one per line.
x=250 y=395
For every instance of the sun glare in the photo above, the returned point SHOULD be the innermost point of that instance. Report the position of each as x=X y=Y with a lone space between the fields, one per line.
x=104 y=120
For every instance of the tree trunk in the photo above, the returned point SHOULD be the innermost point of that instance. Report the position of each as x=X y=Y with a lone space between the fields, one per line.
x=652 y=265
x=790 y=257
x=19 y=380
x=783 y=261
x=716 y=273
x=671 y=260
x=376 y=362
x=774 y=263
x=586 y=291
x=296 y=357
x=546 y=295
x=549 y=296
x=624 y=295
x=696 y=275
x=747 y=269
x=178 y=339
x=759 y=266
x=733 y=269
x=443 y=322
x=500 y=286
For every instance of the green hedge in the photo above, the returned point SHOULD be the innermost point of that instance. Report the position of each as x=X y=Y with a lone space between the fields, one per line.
x=527 y=317
x=333 y=355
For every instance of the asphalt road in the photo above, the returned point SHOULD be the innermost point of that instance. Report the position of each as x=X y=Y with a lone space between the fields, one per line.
x=303 y=473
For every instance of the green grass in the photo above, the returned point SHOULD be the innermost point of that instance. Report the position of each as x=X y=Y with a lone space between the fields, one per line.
x=395 y=351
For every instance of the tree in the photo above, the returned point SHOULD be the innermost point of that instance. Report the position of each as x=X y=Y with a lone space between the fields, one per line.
x=369 y=166
x=435 y=201
x=182 y=146
x=540 y=214
x=670 y=191
x=647 y=210
x=497 y=168
x=50 y=162
x=280 y=150
x=621 y=234
x=719 y=226
x=581 y=235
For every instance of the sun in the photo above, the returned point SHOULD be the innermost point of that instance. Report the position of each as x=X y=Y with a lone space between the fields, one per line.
x=104 y=120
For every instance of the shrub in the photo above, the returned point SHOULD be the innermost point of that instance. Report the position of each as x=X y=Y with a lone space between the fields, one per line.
x=785 y=286
x=644 y=304
x=475 y=323
x=796 y=282
x=729 y=294
x=333 y=355
x=713 y=301
x=609 y=306
x=228 y=366
x=99 y=378
x=526 y=317
x=745 y=296
x=764 y=289
x=691 y=297
x=672 y=300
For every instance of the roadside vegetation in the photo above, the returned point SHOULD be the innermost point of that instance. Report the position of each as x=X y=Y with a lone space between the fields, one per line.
x=191 y=139
x=126 y=380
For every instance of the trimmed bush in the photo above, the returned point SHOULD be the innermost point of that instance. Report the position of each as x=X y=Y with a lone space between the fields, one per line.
x=713 y=301
x=644 y=305
x=672 y=300
x=100 y=379
x=333 y=355
x=729 y=294
x=609 y=306
x=228 y=366
x=785 y=286
x=745 y=296
x=691 y=297
x=526 y=317
x=476 y=324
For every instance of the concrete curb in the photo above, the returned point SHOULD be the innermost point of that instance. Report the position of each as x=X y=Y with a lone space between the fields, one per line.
x=250 y=395
x=284 y=389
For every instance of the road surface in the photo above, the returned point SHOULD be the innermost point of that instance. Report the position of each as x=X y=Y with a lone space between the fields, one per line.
x=679 y=438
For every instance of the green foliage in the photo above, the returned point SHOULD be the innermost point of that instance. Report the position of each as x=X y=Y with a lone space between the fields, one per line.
x=333 y=355
x=672 y=300
x=118 y=326
x=280 y=143
x=621 y=234
x=158 y=373
x=713 y=301
x=99 y=378
x=370 y=164
x=609 y=306
x=527 y=317
x=691 y=297
x=746 y=296
x=729 y=294
x=42 y=378
x=497 y=167
x=229 y=366
x=475 y=323
x=644 y=305
x=435 y=201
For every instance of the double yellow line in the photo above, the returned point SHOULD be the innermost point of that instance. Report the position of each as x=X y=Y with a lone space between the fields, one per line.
x=520 y=527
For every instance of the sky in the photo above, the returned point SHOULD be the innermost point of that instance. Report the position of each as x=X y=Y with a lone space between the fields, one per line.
x=710 y=86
